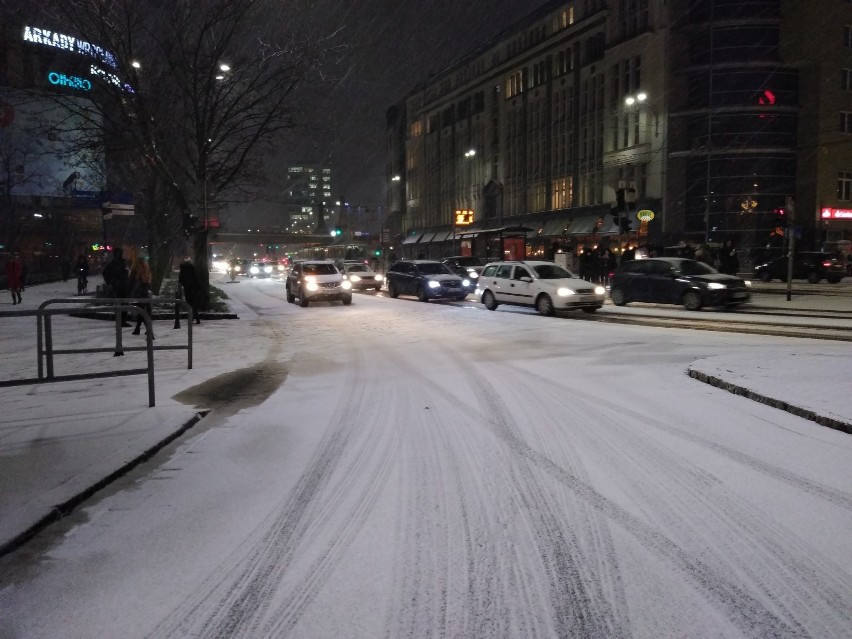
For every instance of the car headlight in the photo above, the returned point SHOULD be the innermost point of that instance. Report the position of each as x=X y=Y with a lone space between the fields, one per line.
x=237 y=269
x=254 y=270
x=280 y=267
x=379 y=278
x=267 y=269
x=346 y=285
x=465 y=282
x=354 y=278
x=600 y=290
x=434 y=284
x=715 y=286
x=564 y=292
x=311 y=285
x=747 y=283
x=472 y=275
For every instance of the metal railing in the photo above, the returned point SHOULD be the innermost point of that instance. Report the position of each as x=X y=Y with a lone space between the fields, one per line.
x=120 y=307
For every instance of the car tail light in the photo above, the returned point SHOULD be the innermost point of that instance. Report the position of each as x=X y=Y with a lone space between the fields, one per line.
x=827 y=263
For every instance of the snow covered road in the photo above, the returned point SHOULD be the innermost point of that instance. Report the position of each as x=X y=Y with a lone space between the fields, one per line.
x=434 y=470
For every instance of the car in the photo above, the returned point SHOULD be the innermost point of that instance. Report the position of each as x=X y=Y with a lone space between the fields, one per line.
x=361 y=275
x=317 y=281
x=465 y=266
x=427 y=279
x=812 y=266
x=545 y=286
x=673 y=280
x=260 y=269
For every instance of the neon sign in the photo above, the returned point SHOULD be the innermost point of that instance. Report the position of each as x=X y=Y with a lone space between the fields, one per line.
x=70 y=81
x=464 y=217
x=68 y=43
x=836 y=214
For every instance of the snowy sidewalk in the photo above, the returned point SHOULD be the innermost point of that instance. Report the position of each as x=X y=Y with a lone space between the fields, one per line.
x=61 y=442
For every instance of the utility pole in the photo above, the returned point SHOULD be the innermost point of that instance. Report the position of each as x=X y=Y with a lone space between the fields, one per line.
x=790 y=210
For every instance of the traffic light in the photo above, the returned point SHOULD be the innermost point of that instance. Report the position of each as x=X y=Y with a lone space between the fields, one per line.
x=337 y=231
x=377 y=252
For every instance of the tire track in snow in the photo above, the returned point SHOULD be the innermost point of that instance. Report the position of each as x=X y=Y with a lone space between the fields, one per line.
x=751 y=532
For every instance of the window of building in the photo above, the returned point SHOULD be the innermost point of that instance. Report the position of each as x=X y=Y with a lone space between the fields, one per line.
x=846 y=79
x=515 y=84
x=416 y=129
x=847 y=36
x=844 y=186
x=564 y=19
x=846 y=122
x=563 y=192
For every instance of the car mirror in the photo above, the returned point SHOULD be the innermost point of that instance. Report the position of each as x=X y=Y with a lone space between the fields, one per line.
x=528 y=280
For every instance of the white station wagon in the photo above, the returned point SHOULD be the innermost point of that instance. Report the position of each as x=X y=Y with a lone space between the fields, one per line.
x=545 y=286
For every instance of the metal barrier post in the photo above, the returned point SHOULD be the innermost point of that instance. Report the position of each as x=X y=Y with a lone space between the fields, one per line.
x=178 y=295
x=48 y=344
x=40 y=342
x=119 y=351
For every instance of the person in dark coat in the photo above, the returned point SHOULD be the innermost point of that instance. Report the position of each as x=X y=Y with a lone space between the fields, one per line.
x=188 y=279
x=140 y=282
x=15 y=277
x=117 y=279
x=66 y=269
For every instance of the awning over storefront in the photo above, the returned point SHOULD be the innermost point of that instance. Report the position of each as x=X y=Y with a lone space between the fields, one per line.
x=583 y=225
x=411 y=239
x=426 y=237
x=555 y=225
x=442 y=236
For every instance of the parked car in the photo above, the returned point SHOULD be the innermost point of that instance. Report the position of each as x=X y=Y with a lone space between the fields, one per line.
x=811 y=266
x=427 y=279
x=545 y=286
x=260 y=269
x=672 y=280
x=360 y=275
x=317 y=281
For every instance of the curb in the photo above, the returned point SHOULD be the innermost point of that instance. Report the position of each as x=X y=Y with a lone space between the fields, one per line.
x=805 y=413
x=59 y=511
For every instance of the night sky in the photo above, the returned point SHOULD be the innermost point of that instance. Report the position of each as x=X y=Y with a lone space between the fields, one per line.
x=396 y=45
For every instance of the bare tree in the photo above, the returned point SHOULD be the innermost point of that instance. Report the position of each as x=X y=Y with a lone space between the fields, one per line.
x=196 y=92
x=18 y=170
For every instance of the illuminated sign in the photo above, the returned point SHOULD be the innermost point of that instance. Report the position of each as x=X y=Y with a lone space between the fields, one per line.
x=70 y=81
x=68 y=43
x=836 y=214
x=464 y=217
x=110 y=77
x=645 y=215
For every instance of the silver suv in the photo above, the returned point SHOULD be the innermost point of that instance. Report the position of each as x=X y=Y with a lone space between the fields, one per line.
x=317 y=281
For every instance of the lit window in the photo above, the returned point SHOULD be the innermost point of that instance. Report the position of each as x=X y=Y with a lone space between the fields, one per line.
x=844 y=186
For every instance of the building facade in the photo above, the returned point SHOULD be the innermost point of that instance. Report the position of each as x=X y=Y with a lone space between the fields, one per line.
x=613 y=124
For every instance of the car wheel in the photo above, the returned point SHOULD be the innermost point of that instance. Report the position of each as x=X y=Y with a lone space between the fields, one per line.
x=422 y=295
x=692 y=301
x=590 y=309
x=813 y=277
x=765 y=276
x=489 y=301
x=303 y=301
x=618 y=297
x=392 y=290
x=544 y=305
x=834 y=280
x=290 y=297
x=346 y=299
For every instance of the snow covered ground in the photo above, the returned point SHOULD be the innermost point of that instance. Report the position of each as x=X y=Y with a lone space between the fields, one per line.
x=402 y=469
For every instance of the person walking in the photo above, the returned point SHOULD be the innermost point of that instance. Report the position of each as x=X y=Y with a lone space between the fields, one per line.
x=81 y=269
x=117 y=279
x=66 y=269
x=140 y=287
x=188 y=279
x=15 y=277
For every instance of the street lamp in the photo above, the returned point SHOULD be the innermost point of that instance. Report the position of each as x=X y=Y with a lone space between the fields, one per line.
x=639 y=100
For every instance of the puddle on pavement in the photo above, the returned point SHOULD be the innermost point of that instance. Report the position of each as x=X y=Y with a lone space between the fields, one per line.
x=237 y=389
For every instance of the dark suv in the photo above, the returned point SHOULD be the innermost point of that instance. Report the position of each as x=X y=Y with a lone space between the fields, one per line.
x=810 y=266
x=317 y=281
x=427 y=279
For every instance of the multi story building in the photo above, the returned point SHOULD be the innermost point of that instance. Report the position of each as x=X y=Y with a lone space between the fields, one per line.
x=690 y=120
x=308 y=202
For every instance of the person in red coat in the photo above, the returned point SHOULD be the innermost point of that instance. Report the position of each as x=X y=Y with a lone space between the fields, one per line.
x=15 y=277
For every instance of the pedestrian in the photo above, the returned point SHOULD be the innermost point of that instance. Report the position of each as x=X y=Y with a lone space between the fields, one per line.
x=15 y=277
x=81 y=270
x=188 y=279
x=117 y=279
x=703 y=254
x=140 y=287
x=729 y=261
x=66 y=269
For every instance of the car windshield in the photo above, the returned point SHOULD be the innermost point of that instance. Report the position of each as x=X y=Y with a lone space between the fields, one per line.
x=435 y=268
x=692 y=267
x=469 y=261
x=357 y=268
x=551 y=272
x=319 y=269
